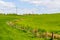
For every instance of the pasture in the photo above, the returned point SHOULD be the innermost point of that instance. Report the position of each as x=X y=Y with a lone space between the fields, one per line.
x=44 y=22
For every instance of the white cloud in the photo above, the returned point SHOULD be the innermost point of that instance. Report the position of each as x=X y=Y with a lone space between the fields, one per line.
x=49 y=6
x=32 y=1
x=6 y=4
x=26 y=11
x=1 y=11
x=6 y=7
x=47 y=3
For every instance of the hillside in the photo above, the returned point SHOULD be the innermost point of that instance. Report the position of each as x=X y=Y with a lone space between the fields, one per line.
x=44 y=22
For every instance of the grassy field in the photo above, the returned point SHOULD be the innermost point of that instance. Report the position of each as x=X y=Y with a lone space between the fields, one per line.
x=45 y=22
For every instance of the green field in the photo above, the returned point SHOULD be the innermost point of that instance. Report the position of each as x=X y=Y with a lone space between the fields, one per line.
x=44 y=22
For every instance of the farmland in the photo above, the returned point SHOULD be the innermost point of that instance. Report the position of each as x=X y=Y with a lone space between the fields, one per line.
x=44 y=22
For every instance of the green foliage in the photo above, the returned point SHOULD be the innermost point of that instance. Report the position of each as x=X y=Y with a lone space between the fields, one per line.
x=44 y=22
x=10 y=33
x=47 y=22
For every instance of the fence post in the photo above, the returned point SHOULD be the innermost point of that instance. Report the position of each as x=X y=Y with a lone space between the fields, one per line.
x=52 y=38
x=52 y=35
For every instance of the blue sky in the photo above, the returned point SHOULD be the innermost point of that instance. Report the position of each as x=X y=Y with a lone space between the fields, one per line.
x=29 y=6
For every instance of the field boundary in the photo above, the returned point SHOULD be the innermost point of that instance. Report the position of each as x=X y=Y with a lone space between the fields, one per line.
x=35 y=32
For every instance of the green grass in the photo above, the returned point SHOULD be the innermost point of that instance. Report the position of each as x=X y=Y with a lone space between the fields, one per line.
x=10 y=33
x=47 y=22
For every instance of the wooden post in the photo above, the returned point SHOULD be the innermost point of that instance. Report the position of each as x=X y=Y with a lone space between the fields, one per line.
x=52 y=38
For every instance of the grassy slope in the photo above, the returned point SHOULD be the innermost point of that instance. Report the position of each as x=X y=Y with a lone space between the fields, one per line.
x=11 y=33
x=47 y=22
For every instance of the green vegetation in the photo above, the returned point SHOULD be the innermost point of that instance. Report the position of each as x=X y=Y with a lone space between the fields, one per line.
x=44 y=22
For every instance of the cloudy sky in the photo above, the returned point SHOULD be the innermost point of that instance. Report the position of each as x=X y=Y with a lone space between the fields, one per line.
x=29 y=6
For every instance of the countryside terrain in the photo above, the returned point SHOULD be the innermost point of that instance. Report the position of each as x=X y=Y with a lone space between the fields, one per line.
x=29 y=26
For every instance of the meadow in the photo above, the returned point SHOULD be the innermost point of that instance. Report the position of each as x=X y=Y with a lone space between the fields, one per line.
x=43 y=22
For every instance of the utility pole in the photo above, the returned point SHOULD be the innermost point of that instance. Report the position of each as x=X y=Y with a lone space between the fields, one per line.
x=16 y=9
